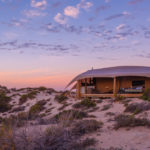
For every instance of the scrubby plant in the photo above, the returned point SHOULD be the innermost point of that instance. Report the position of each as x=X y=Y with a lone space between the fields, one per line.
x=25 y=97
x=42 y=88
x=69 y=115
x=99 y=101
x=130 y=121
x=61 y=98
x=110 y=114
x=36 y=109
x=137 y=107
x=119 y=98
x=106 y=107
x=146 y=95
x=6 y=138
x=17 y=109
x=4 y=102
x=86 y=126
x=87 y=103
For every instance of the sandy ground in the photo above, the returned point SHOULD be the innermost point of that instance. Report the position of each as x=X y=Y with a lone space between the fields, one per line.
x=136 y=138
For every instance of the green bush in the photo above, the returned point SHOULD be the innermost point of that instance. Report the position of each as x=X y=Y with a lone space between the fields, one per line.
x=106 y=107
x=146 y=95
x=130 y=121
x=25 y=97
x=36 y=109
x=42 y=88
x=137 y=107
x=4 y=102
x=119 y=98
x=85 y=103
x=69 y=114
x=86 y=126
x=61 y=98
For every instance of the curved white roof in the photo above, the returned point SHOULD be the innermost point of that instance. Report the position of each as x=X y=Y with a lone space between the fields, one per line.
x=114 y=72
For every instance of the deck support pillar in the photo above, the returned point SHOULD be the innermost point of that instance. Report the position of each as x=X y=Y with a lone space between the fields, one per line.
x=78 y=89
x=115 y=86
x=85 y=86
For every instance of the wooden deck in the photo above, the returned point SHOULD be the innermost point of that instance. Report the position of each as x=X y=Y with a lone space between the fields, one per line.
x=111 y=95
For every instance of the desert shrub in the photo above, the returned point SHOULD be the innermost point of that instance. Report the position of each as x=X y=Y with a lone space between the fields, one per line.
x=130 y=121
x=25 y=97
x=137 y=107
x=110 y=114
x=4 y=102
x=119 y=98
x=99 y=101
x=83 y=144
x=6 y=138
x=69 y=115
x=63 y=106
x=42 y=88
x=53 y=138
x=61 y=98
x=85 y=103
x=106 y=107
x=17 y=109
x=86 y=126
x=36 y=109
x=146 y=95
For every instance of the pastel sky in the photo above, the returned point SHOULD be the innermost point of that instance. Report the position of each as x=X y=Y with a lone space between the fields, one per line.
x=48 y=42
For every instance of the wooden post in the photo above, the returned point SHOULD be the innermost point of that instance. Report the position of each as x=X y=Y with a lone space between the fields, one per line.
x=114 y=86
x=85 y=86
x=78 y=89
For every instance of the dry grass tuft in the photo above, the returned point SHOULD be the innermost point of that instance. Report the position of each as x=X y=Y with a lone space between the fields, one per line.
x=130 y=121
x=137 y=107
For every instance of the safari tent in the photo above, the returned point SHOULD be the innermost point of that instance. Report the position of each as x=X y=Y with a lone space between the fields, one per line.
x=127 y=81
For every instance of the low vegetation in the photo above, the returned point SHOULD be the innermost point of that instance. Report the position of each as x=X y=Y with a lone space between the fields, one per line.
x=86 y=103
x=119 y=98
x=25 y=97
x=106 y=107
x=4 y=102
x=137 y=107
x=70 y=115
x=36 y=109
x=146 y=95
x=130 y=121
x=61 y=98
x=55 y=137
x=86 y=126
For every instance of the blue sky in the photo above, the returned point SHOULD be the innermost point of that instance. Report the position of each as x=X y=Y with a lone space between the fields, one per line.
x=48 y=42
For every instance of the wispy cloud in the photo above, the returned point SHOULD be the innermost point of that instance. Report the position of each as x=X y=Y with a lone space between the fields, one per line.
x=120 y=27
x=53 y=49
x=33 y=13
x=101 y=8
x=59 y=18
x=39 y=4
x=123 y=14
x=133 y=2
x=71 y=11
x=85 y=5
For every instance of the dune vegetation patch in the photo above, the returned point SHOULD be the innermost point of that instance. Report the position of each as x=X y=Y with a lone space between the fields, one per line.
x=106 y=107
x=86 y=126
x=4 y=102
x=86 y=103
x=69 y=115
x=130 y=121
x=61 y=98
x=137 y=107
x=146 y=95
x=25 y=97
x=36 y=109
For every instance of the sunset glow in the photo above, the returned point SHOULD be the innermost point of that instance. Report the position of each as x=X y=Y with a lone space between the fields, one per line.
x=48 y=42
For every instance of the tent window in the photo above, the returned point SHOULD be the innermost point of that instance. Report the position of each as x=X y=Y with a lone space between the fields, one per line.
x=138 y=83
